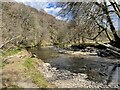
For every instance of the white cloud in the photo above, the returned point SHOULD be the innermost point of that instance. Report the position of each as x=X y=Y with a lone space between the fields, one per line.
x=61 y=18
x=53 y=10
x=32 y=0
x=37 y=5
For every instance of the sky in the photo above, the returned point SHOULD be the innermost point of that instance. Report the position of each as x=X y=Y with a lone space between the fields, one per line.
x=51 y=8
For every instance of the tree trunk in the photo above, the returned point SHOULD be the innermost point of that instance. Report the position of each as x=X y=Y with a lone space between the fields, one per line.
x=116 y=7
x=83 y=40
x=116 y=38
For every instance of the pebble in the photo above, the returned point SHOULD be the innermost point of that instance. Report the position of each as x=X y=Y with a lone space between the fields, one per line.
x=53 y=68
x=47 y=64
x=67 y=79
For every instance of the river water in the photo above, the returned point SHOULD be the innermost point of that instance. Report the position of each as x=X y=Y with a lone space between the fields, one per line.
x=97 y=68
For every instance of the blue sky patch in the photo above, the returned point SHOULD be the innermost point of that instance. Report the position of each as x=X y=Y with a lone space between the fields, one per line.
x=51 y=5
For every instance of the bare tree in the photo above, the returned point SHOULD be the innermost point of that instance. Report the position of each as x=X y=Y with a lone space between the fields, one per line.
x=94 y=15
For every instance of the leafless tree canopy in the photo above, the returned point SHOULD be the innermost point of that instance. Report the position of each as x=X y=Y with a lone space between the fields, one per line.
x=93 y=16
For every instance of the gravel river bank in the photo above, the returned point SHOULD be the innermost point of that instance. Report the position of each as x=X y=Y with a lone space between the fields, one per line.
x=71 y=71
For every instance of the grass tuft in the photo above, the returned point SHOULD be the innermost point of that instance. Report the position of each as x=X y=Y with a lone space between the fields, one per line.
x=2 y=64
x=10 y=52
x=35 y=75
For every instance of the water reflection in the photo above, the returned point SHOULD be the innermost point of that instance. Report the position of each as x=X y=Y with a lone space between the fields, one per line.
x=44 y=53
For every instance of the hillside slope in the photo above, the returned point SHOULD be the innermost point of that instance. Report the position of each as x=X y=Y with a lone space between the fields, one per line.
x=27 y=26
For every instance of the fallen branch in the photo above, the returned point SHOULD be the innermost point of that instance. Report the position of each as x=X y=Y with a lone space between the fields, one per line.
x=114 y=50
x=109 y=46
x=6 y=42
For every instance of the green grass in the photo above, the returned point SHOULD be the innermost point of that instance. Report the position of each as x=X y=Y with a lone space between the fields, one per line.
x=39 y=79
x=10 y=52
x=29 y=63
x=35 y=75
x=2 y=64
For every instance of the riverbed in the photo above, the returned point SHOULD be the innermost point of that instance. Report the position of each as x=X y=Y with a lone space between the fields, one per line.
x=97 y=69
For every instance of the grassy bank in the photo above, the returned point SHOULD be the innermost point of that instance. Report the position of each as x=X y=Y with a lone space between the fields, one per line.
x=20 y=70
x=37 y=77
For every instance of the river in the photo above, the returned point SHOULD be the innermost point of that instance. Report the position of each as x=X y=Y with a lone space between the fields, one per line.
x=97 y=68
